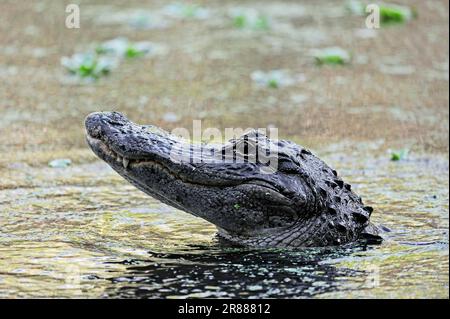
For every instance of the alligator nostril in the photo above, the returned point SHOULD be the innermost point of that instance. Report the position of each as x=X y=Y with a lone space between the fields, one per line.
x=93 y=124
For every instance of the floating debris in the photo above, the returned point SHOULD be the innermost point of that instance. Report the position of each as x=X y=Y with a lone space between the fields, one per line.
x=60 y=163
x=186 y=11
x=249 y=19
x=332 y=56
x=399 y=155
x=275 y=78
x=88 y=65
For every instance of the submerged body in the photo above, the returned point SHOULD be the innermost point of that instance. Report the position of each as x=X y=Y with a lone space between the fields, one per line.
x=298 y=202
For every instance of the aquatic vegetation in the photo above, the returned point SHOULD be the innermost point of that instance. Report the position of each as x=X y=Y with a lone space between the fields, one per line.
x=60 y=163
x=186 y=11
x=88 y=65
x=275 y=79
x=106 y=56
x=389 y=13
x=399 y=155
x=395 y=14
x=123 y=48
x=249 y=19
x=331 y=56
x=85 y=216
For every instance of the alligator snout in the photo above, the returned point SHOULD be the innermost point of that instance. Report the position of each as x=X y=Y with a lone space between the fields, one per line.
x=98 y=122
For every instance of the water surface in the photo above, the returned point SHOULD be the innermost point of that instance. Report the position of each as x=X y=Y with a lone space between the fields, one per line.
x=83 y=232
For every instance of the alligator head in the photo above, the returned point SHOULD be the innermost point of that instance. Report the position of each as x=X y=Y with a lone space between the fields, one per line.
x=300 y=202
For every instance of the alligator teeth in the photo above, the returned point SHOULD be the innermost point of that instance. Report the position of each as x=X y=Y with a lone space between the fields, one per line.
x=125 y=162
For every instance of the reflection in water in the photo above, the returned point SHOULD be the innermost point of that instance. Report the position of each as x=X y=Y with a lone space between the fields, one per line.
x=83 y=232
x=231 y=273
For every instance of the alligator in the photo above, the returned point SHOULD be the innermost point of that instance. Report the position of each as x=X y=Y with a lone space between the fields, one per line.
x=301 y=202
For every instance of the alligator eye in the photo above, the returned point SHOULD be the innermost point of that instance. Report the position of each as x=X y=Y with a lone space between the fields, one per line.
x=305 y=151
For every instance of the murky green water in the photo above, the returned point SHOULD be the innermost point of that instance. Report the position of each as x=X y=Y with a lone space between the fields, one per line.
x=83 y=232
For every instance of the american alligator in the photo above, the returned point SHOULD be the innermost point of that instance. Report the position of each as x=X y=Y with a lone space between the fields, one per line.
x=303 y=202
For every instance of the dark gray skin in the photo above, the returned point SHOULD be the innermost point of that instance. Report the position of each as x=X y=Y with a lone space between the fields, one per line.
x=303 y=203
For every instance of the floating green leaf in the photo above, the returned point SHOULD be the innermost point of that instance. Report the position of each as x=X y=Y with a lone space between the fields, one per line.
x=132 y=52
x=399 y=155
x=239 y=21
x=390 y=14
x=332 y=56
x=273 y=83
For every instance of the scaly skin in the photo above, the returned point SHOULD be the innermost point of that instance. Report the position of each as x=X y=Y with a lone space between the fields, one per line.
x=301 y=202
